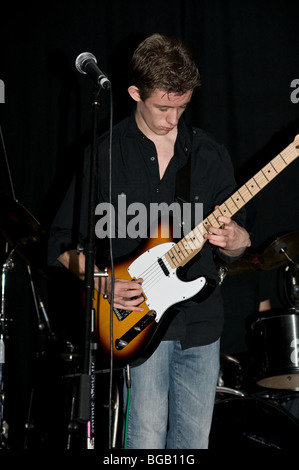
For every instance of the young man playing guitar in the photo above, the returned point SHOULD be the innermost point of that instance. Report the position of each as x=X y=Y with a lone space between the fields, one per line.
x=172 y=388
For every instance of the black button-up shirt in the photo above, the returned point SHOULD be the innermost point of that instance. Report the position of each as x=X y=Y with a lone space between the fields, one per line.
x=135 y=177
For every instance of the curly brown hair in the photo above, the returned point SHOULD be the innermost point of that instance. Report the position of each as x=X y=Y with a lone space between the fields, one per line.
x=163 y=63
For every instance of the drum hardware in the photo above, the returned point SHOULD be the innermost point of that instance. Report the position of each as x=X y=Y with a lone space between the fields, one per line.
x=45 y=336
x=230 y=377
x=250 y=261
x=71 y=361
x=276 y=332
x=24 y=233
x=281 y=250
x=276 y=339
x=252 y=423
x=8 y=265
x=292 y=284
x=222 y=273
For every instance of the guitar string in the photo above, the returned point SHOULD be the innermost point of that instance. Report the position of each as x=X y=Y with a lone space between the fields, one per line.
x=154 y=272
x=154 y=275
x=150 y=274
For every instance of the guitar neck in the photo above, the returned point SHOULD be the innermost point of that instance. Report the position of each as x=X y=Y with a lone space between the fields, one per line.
x=193 y=242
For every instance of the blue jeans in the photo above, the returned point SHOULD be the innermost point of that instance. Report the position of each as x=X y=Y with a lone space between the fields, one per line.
x=172 y=398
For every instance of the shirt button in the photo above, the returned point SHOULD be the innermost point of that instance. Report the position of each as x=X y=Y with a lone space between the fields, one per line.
x=157 y=190
x=153 y=159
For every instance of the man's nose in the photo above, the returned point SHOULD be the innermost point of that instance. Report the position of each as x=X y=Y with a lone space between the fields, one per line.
x=173 y=117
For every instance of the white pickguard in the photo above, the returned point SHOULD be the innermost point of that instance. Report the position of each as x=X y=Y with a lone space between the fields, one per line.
x=163 y=291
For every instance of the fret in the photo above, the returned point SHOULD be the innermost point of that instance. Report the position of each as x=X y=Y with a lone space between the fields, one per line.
x=283 y=159
x=226 y=208
x=208 y=220
x=231 y=207
x=262 y=179
x=237 y=201
x=269 y=170
x=273 y=163
x=252 y=187
x=238 y=197
x=186 y=243
x=192 y=243
x=181 y=249
x=172 y=259
x=191 y=238
x=198 y=231
x=245 y=193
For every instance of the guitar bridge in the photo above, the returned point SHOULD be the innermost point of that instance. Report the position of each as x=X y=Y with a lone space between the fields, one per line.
x=145 y=321
x=120 y=313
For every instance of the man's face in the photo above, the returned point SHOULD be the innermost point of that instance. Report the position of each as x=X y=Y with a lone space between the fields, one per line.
x=160 y=113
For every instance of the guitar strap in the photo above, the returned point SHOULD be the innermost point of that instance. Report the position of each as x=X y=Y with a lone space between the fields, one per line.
x=182 y=187
x=182 y=184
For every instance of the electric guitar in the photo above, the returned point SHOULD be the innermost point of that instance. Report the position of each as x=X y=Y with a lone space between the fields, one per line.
x=137 y=334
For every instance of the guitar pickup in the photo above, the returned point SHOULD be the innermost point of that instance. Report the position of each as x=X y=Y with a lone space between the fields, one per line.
x=135 y=330
x=163 y=267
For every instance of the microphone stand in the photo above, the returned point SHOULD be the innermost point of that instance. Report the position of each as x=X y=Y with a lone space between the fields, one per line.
x=86 y=406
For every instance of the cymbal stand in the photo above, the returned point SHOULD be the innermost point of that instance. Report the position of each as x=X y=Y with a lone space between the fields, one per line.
x=43 y=320
x=45 y=334
x=292 y=269
x=7 y=266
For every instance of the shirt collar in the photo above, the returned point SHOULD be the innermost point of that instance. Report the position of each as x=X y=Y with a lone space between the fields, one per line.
x=184 y=133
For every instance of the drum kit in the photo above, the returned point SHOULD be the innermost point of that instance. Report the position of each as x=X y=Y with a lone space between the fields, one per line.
x=257 y=399
x=241 y=417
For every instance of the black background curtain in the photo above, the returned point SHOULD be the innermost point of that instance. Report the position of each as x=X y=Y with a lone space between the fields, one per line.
x=247 y=53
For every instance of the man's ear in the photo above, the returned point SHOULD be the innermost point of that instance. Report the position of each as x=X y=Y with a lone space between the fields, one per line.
x=134 y=93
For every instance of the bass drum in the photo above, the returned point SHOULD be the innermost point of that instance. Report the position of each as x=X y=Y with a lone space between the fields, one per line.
x=251 y=423
x=275 y=339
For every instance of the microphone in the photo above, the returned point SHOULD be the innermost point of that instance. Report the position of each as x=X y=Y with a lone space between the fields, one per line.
x=86 y=63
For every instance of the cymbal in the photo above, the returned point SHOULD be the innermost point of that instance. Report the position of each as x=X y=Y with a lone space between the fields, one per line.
x=23 y=232
x=273 y=256
x=250 y=261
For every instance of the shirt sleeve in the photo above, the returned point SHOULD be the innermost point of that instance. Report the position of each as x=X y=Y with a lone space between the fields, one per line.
x=214 y=180
x=69 y=228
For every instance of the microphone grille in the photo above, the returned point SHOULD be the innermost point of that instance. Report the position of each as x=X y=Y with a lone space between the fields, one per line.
x=81 y=59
